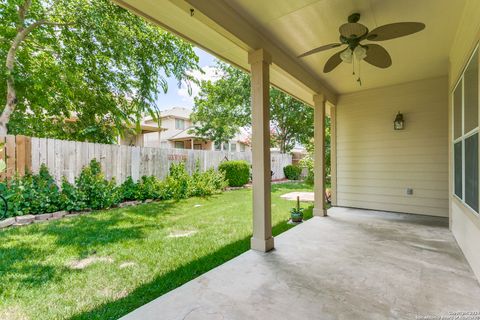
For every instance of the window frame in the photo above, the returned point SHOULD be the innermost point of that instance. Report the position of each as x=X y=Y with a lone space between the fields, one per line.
x=463 y=135
x=177 y=121
x=182 y=142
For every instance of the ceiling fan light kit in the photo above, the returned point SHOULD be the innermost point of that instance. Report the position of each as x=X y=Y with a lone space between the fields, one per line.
x=352 y=33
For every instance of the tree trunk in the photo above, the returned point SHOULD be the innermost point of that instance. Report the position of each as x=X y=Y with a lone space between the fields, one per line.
x=11 y=93
x=22 y=33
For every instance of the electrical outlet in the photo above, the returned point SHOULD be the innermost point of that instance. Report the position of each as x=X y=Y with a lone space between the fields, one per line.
x=409 y=191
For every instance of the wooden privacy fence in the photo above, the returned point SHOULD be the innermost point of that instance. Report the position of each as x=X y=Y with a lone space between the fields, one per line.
x=16 y=152
x=67 y=158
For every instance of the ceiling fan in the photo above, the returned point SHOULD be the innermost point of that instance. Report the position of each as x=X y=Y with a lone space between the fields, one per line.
x=353 y=33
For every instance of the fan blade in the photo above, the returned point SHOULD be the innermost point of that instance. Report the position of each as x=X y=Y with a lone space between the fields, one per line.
x=395 y=30
x=350 y=30
x=333 y=62
x=378 y=56
x=322 y=48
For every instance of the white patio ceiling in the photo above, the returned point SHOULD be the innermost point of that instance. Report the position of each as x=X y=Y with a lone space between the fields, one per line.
x=286 y=28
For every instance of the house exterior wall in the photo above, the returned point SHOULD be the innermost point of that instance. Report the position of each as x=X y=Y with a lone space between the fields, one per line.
x=464 y=224
x=168 y=123
x=376 y=164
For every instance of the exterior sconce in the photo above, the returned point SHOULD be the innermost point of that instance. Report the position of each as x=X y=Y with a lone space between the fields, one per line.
x=399 y=123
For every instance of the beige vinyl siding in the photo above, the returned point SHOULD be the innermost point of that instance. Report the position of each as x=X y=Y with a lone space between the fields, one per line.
x=376 y=164
x=464 y=224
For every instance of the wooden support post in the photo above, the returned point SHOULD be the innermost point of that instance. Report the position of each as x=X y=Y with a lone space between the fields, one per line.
x=262 y=239
x=319 y=156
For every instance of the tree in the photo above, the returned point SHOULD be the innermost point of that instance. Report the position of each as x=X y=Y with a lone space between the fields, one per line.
x=223 y=107
x=88 y=59
x=290 y=119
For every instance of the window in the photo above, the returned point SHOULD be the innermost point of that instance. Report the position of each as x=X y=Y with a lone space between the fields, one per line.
x=179 y=124
x=197 y=146
x=233 y=147
x=465 y=135
x=179 y=145
x=218 y=146
x=242 y=147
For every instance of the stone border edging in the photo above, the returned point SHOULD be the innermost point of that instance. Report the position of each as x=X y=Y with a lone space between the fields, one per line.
x=20 y=221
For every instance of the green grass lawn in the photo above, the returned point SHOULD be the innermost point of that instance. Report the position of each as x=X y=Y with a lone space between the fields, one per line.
x=136 y=254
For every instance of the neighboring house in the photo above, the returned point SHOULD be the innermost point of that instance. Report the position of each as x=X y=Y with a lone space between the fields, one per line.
x=177 y=133
x=139 y=139
x=130 y=138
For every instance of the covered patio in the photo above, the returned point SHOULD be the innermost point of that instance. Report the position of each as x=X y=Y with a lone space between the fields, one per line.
x=351 y=264
x=355 y=264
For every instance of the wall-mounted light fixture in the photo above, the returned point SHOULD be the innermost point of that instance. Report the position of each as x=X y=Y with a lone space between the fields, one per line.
x=399 y=123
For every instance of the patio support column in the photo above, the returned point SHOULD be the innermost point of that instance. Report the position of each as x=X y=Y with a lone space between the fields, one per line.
x=262 y=239
x=319 y=156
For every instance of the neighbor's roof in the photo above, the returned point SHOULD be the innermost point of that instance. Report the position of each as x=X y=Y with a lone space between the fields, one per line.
x=144 y=127
x=185 y=134
x=177 y=112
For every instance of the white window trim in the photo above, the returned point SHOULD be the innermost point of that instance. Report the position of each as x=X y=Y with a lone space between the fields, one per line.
x=463 y=136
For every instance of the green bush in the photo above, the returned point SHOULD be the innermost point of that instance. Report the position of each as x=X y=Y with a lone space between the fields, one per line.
x=148 y=187
x=72 y=198
x=129 y=190
x=177 y=184
x=36 y=194
x=292 y=172
x=307 y=162
x=32 y=194
x=99 y=192
x=18 y=195
x=207 y=183
x=237 y=173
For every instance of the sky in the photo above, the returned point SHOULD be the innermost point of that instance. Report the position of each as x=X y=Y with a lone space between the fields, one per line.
x=179 y=97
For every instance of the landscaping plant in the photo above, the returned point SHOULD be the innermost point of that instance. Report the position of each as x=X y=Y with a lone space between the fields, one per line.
x=38 y=193
x=129 y=190
x=237 y=173
x=148 y=187
x=292 y=172
x=296 y=214
x=177 y=184
x=32 y=194
x=98 y=192
x=71 y=198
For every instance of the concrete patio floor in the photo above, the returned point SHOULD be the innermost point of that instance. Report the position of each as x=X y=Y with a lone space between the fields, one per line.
x=354 y=264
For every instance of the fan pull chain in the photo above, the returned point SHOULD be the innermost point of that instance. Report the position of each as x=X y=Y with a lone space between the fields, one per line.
x=353 y=66
x=359 y=80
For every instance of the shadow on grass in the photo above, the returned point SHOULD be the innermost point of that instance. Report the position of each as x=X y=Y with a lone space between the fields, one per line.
x=175 y=278
x=14 y=270
x=88 y=233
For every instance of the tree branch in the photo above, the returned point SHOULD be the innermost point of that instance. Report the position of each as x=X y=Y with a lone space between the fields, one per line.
x=22 y=13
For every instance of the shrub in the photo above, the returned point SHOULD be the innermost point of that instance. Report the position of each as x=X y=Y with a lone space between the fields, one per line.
x=307 y=162
x=18 y=195
x=45 y=195
x=32 y=194
x=292 y=172
x=237 y=173
x=71 y=198
x=129 y=190
x=177 y=184
x=207 y=183
x=99 y=192
x=148 y=187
